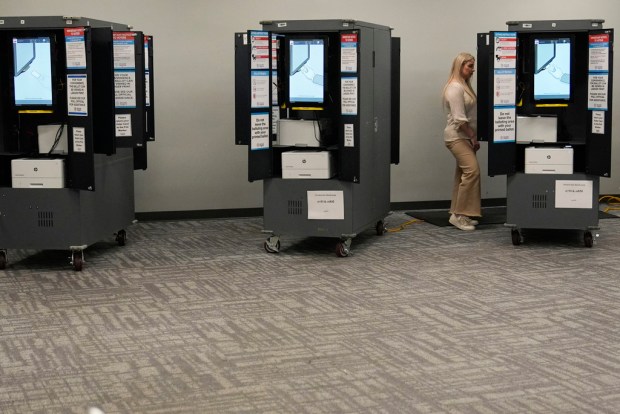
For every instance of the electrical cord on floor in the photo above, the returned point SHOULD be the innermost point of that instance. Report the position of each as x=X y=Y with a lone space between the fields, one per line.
x=402 y=226
x=613 y=202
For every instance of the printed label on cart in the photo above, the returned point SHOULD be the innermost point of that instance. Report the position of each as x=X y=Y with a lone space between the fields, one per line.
x=598 y=59
x=325 y=205
x=573 y=194
x=598 y=122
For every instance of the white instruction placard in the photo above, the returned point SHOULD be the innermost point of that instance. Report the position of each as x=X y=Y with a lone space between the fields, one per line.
x=77 y=95
x=505 y=53
x=598 y=122
x=325 y=205
x=573 y=194
x=598 y=91
x=75 y=48
x=259 y=137
x=598 y=56
x=348 y=95
x=123 y=125
x=274 y=87
x=79 y=139
x=349 y=135
x=504 y=122
x=505 y=82
x=275 y=118
x=124 y=89
x=147 y=88
x=260 y=45
x=124 y=50
x=259 y=80
x=348 y=52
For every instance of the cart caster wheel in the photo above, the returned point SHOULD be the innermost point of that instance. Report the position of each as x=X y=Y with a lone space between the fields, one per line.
x=380 y=228
x=121 y=237
x=272 y=244
x=516 y=237
x=77 y=260
x=3 y=259
x=588 y=240
x=343 y=248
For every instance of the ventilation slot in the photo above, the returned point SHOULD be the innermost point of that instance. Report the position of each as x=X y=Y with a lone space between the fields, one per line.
x=46 y=219
x=539 y=201
x=294 y=207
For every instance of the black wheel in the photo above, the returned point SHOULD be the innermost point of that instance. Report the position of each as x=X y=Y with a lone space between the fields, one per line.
x=341 y=250
x=588 y=240
x=121 y=237
x=78 y=261
x=380 y=228
x=3 y=260
x=516 y=237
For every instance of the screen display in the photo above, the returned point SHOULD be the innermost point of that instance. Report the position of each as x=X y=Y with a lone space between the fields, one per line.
x=552 y=63
x=33 y=71
x=306 y=70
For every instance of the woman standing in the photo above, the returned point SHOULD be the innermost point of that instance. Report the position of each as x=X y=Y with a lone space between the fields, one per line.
x=459 y=102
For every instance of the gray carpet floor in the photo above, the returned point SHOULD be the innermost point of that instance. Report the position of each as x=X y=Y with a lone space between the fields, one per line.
x=195 y=317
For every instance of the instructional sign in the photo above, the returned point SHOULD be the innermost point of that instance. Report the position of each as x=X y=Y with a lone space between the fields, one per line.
x=504 y=86
x=123 y=125
x=598 y=53
x=75 y=48
x=147 y=88
x=275 y=118
x=325 y=205
x=79 y=139
x=598 y=91
x=573 y=194
x=505 y=81
x=348 y=95
x=124 y=89
x=77 y=95
x=259 y=138
x=259 y=44
x=259 y=81
x=349 y=135
x=505 y=50
x=598 y=122
x=123 y=44
x=504 y=122
x=348 y=52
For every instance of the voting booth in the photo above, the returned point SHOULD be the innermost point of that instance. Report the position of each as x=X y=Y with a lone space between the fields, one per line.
x=76 y=113
x=317 y=105
x=545 y=107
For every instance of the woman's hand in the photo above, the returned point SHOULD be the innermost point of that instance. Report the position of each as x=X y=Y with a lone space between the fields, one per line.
x=474 y=144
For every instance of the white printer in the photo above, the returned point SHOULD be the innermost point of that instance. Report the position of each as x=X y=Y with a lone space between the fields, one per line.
x=38 y=173
x=308 y=164
x=299 y=132
x=548 y=160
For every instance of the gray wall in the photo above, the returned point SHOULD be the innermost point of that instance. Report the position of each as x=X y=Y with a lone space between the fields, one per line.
x=194 y=165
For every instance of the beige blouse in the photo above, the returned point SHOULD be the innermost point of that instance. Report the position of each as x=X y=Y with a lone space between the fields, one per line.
x=460 y=107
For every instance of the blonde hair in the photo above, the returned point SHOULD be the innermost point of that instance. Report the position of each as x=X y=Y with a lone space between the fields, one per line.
x=455 y=73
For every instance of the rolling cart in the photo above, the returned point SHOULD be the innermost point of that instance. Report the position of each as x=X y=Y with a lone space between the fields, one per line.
x=545 y=107
x=317 y=104
x=76 y=113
